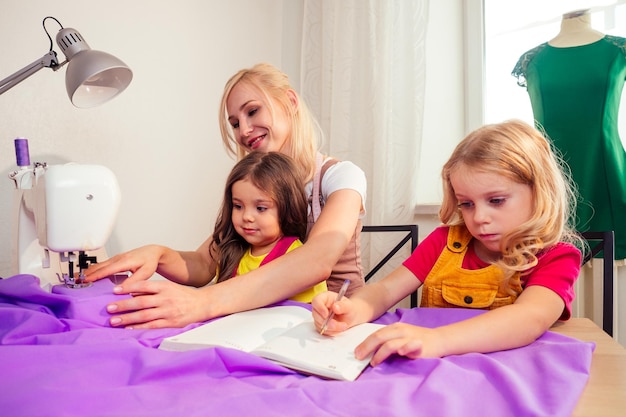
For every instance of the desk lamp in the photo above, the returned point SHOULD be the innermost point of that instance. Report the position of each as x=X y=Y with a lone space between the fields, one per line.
x=63 y=211
x=92 y=77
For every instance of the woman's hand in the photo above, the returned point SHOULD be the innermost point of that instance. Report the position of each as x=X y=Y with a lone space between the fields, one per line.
x=157 y=304
x=400 y=339
x=142 y=262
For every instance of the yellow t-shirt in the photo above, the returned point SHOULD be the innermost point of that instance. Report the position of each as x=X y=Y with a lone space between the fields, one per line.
x=250 y=262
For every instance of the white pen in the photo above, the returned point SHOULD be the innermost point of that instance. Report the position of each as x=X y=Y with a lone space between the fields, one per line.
x=342 y=292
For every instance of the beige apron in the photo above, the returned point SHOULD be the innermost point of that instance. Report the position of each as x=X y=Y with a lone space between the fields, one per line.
x=349 y=264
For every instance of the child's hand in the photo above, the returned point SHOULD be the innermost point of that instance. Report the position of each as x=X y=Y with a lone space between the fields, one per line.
x=142 y=262
x=400 y=339
x=322 y=306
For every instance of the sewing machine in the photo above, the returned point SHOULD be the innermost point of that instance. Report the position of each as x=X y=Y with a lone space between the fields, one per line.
x=64 y=214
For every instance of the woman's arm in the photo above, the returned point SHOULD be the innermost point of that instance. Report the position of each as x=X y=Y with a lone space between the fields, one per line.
x=161 y=304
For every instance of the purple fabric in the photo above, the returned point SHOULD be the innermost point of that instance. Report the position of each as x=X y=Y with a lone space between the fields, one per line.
x=59 y=357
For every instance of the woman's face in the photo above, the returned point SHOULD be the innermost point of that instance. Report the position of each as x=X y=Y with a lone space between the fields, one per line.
x=252 y=122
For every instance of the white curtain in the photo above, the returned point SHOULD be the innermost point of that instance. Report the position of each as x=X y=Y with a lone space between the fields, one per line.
x=363 y=74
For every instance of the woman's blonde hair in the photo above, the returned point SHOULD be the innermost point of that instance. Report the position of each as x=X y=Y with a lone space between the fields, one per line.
x=274 y=86
x=519 y=152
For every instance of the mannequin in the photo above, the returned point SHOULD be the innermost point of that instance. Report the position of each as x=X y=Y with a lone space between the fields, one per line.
x=574 y=82
x=576 y=30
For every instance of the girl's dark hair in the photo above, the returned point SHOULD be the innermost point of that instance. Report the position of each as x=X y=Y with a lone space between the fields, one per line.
x=275 y=174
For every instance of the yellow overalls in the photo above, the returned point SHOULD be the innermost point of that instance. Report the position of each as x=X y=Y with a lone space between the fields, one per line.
x=449 y=285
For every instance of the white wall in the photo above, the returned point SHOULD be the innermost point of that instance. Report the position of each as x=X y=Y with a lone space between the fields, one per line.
x=161 y=136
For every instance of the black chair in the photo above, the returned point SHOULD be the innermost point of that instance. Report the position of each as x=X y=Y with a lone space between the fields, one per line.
x=410 y=235
x=604 y=243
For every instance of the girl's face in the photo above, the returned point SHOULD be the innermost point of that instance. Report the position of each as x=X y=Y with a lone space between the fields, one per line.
x=252 y=122
x=255 y=217
x=492 y=206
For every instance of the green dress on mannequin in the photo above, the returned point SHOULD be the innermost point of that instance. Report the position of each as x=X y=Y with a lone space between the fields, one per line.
x=575 y=96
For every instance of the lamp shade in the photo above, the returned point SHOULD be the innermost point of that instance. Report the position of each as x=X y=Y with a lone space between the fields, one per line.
x=92 y=77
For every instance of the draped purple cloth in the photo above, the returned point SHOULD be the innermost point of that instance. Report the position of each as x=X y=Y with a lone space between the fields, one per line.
x=59 y=357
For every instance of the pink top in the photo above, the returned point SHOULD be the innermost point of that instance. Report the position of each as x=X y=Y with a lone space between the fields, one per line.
x=557 y=267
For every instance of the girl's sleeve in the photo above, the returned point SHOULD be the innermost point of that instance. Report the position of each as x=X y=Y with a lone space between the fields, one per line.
x=558 y=270
x=427 y=252
x=345 y=175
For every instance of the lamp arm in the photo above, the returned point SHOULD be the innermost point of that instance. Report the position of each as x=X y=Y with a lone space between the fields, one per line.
x=49 y=60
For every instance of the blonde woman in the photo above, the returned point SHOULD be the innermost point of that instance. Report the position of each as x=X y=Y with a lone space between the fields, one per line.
x=260 y=112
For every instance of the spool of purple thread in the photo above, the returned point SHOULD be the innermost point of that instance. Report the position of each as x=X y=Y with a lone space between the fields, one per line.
x=21 y=152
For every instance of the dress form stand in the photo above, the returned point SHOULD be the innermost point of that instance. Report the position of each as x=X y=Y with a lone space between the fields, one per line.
x=576 y=30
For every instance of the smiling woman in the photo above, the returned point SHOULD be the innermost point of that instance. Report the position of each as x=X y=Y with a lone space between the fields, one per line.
x=259 y=112
x=258 y=127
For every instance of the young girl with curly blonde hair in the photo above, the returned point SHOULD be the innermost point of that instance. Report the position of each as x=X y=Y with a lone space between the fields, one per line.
x=506 y=245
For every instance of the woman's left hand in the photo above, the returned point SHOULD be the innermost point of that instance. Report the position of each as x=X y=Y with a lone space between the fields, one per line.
x=157 y=304
x=400 y=339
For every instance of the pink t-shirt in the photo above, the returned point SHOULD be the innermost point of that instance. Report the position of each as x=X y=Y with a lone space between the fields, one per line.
x=557 y=267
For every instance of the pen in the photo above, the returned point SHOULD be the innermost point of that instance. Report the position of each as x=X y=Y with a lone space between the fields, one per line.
x=342 y=292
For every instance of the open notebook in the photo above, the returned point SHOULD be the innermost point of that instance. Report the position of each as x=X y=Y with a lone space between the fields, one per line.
x=285 y=335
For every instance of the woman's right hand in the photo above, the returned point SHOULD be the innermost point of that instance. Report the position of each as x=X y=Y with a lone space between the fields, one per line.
x=344 y=312
x=141 y=262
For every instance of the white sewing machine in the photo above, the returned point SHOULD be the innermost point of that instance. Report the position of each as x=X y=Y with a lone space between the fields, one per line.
x=64 y=214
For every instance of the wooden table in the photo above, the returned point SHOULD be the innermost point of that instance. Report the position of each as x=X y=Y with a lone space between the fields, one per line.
x=605 y=393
